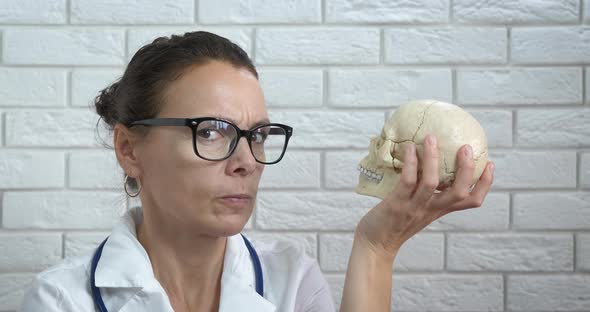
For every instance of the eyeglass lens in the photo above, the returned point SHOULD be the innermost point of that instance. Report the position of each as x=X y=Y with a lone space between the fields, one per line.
x=215 y=139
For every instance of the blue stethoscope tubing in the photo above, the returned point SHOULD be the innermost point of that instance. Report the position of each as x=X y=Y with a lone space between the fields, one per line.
x=96 y=291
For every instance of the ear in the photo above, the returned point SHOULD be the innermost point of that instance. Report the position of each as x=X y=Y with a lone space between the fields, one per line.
x=125 y=143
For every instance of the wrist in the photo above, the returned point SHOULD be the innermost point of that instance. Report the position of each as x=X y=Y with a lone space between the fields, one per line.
x=373 y=251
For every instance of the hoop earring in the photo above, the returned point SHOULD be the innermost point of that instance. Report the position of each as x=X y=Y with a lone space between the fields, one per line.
x=127 y=191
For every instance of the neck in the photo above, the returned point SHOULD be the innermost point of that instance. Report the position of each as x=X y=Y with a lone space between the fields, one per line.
x=188 y=265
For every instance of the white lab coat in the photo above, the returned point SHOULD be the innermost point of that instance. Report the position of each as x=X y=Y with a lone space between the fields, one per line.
x=292 y=280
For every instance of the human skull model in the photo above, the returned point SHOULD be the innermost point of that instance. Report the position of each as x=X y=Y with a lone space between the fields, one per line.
x=453 y=127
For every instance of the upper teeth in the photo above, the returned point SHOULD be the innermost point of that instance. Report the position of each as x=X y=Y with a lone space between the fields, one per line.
x=369 y=174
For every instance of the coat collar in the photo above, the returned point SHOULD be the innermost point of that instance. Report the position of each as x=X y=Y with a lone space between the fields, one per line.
x=125 y=264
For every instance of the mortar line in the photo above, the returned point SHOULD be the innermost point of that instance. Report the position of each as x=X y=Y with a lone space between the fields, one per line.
x=581 y=12
x=253 y=47
x=505 y=290
x=445 y=234
x=126 y=47
x=3 y=138
x=66 y=159
x=454 y=85
x=325 y=89
x=514 y=128
x=451 y=15
x=508 y=46
x=69 y=88
x=381 y=47
x=1 y=210
x=578 y=170
x=585 y=99
x=196 y=18
x=574 y=262
x=68 y=11
x=323 y=11
x=510 y=212
x=63 y=245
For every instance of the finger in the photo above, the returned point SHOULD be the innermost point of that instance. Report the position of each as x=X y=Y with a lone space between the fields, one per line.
x=429 y=177
x=407 y=183
x=480 y=191
x=463 y=178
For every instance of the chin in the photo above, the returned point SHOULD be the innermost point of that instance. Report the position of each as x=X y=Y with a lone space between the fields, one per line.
x=229 y=225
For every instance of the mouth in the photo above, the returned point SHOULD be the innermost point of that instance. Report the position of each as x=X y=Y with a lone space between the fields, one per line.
x=236 y=200
x=369 y=174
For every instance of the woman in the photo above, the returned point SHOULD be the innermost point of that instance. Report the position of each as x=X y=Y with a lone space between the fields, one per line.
x=192 y=135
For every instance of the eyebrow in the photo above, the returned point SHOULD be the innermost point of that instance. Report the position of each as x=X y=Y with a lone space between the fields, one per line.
x=259 y=123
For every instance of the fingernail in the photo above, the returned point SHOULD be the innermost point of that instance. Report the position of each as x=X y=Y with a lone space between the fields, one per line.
x=492 y=167
x=469 y=151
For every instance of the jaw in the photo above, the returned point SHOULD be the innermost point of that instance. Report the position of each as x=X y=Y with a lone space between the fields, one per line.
x=370 y=186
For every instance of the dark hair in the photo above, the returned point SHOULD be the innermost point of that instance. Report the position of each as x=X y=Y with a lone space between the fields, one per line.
x=138 y=94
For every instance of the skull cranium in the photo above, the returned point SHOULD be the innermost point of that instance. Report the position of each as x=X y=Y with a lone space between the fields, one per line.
x=453 y=127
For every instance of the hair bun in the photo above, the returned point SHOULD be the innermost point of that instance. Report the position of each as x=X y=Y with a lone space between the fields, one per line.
x=106 y=104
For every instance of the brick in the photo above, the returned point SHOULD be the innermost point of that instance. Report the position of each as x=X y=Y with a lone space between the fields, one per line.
x=588 y=84
x=32 y=87
x=585 y=170
x=62 y=209
x=64 y=46
x=140 y=12
x=79 y=244
x=321 y=129
x=140 y=37
x=33 y=12
x=12 y=289
x=29 y=252
x=51 y=128
x=555 y=45
x=311 y=210
x=445 y=46
x=87 y=84
x=375 y=11
x=424 y=251
x=497 y=125
x=296 y=170
x=292 y=88
x=553 y=127
x=516 y=12
x=552 y=210
x=587 y=11
x=564 y=292
x=31 y=169
x=95 y=170
x=340 y=169
x=526 y=86
x=260 y=11
x=510 y=252
x=493 y=215
x=308 y=241
x=387 y=88
x=534 y=169
x=317 y=45
x=583 y=251
x=445 y=292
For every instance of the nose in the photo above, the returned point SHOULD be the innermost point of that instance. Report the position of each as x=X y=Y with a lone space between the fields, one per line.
x=241 y=161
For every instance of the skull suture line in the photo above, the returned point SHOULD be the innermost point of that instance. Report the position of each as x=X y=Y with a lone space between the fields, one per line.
x=453 y=127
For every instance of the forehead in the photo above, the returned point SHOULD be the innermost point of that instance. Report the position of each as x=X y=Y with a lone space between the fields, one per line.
x=216 y=89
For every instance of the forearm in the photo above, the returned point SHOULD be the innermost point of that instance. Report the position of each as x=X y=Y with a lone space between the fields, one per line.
x=368 y=281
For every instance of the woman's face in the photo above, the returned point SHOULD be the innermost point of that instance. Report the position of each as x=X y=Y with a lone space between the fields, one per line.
x=188 y=192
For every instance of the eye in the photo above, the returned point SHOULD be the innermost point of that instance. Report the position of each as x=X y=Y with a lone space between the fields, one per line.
x=209 y=134
x=258 y=137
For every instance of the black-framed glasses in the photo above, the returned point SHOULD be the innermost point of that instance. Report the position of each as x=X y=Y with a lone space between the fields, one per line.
x=216 y=139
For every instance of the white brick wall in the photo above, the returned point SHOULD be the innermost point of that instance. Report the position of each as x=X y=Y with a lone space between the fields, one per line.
x=332 y=69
